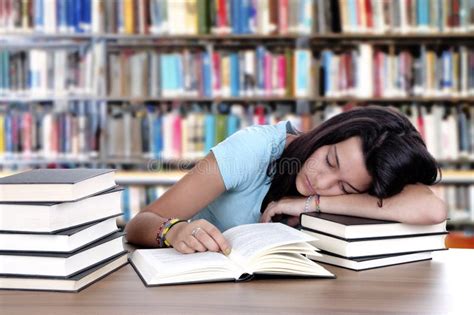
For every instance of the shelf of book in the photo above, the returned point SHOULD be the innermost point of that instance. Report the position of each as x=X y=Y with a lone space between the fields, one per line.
x=136 y=134
x=265 y=17
x=361 y=74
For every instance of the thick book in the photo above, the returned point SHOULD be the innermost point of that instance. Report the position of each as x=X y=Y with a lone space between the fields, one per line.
x=61 y=264
x=55 y=184
x=65 y=241
x=270 y=248
x=64 y=284
x=349 y=227
x=352 y=248
x=369 y=262
x=52 y=217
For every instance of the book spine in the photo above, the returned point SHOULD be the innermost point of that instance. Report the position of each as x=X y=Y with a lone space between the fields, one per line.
x=129 y=16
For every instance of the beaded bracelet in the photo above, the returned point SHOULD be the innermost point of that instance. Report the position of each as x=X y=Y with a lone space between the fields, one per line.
x=164 y=229
x=306 y=204
x=158 y=234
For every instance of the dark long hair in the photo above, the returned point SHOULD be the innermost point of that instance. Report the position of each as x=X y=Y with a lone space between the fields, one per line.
x=394 y=152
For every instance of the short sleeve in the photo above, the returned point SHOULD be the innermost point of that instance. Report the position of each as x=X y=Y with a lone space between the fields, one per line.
x=244 y=156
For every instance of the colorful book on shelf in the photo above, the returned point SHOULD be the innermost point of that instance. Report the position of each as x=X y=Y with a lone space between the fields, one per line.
x=129 y=16
x=302 y=73
x=127 y=213
x=264 y=17
x=221 y=75
x=73 y=134
x=28 y=72
x=270 y=248
x=233 y=121
x=221 y=128
x=203 y=16
x=74 y=283
x=157 y=144
x=206 y=76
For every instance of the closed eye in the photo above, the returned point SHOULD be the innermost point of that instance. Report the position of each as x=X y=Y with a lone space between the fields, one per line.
x=327 y=161
x=344 y=190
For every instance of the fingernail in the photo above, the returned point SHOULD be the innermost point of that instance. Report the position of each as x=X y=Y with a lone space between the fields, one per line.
x=227 y=251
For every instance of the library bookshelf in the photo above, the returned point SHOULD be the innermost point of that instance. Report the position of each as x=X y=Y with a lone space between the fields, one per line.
x=114 y=66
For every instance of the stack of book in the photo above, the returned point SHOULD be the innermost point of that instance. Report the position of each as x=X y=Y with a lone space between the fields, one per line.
x=360 y=243
x=58 y=229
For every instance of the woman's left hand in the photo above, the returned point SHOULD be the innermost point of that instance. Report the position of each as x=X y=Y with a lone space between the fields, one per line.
x=291 y=206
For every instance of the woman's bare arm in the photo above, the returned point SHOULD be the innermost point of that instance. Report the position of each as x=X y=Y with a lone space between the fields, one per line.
x=416 y=204
x=199 y=187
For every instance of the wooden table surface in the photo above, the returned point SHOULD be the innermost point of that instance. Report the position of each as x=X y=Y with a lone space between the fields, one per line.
x=440 y=286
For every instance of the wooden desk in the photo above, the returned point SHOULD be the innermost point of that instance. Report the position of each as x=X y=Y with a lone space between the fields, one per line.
x=440 y=286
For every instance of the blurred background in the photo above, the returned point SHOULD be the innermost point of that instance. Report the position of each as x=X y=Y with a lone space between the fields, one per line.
x=149 y=86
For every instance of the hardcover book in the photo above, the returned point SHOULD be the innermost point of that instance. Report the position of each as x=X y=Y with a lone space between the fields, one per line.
x=377 y=246
x=270 y=248
x=55 y=184
x=63 y=284
x=65 y=241
x=369 y=262
x=51 y=217
x=349 y=227
x=354 y=237
x=61 y=264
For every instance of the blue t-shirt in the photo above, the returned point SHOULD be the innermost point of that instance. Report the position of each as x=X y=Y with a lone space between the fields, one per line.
x=243 y=159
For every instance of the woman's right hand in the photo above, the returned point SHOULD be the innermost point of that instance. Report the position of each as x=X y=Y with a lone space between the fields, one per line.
x=197 y=236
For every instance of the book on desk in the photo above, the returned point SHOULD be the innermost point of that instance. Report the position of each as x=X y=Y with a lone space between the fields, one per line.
x=55 y=185
x=260 y=248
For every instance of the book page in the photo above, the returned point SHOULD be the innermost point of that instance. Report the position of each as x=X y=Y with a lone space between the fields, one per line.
x=169 y=261
x=169 y=266
x=252 y=239
x=273 y=248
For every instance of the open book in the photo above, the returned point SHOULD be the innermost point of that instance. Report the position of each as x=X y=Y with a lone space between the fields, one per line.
x=261 y=248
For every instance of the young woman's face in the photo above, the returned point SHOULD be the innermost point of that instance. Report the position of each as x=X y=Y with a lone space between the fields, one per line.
x=335 y=169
